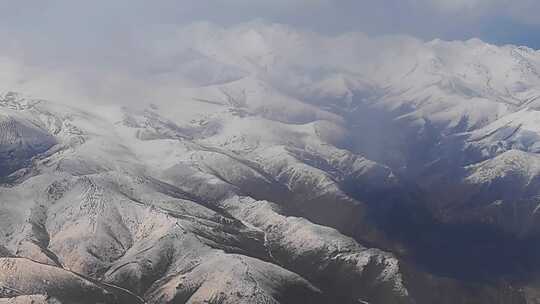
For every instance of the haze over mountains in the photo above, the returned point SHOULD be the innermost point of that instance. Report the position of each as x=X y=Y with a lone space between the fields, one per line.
x=272 y=165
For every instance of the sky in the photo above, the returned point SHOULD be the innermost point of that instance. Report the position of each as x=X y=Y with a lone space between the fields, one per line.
x=85 y=22
x=68 y=41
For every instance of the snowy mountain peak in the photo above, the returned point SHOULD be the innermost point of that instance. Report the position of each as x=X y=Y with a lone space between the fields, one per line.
x=283 y=166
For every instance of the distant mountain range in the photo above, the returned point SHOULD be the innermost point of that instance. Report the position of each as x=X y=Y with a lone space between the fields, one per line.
x=290 y=168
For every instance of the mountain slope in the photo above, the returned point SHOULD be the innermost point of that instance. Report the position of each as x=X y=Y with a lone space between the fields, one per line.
x=96 y=204
x=284 y=177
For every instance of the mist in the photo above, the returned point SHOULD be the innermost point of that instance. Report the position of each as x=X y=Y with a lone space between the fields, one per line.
x=132 y=52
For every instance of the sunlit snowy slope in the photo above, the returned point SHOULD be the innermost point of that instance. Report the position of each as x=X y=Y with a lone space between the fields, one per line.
x=274 y=174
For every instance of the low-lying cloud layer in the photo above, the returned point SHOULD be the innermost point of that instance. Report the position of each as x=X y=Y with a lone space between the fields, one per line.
x=131 y=51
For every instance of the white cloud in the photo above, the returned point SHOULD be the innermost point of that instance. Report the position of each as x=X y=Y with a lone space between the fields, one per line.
x=192 y=55
x=129 y=49
x=459 y=5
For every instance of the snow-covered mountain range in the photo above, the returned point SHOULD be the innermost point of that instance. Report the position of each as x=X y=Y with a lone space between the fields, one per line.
x=284 y=170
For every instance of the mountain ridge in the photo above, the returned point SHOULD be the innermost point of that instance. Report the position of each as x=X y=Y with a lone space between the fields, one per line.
x=282 y=183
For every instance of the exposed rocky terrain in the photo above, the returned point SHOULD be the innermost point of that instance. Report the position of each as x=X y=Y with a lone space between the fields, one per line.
x=283 y=180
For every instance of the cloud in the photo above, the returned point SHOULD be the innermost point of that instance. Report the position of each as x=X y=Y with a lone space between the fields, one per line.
x=158 y=62
x=90 y=27
x=131 y=49
x=460 y=5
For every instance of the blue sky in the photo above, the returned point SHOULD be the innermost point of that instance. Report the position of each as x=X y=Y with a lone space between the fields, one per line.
x=502 y=31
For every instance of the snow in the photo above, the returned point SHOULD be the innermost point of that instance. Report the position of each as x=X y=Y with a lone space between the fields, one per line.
x=512 y=162
x=111 y=203
x=185 y=198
